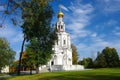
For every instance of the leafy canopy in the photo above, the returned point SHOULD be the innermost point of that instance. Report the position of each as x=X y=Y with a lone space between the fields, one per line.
x=6 y=53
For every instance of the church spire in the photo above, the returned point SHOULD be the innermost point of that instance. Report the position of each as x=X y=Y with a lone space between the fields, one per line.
x=60 y=13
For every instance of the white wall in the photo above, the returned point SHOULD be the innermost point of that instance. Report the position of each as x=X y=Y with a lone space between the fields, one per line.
x=5 y=69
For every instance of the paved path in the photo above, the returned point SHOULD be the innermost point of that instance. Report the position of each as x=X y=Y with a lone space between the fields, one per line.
x=22 y=73
x=5 y=76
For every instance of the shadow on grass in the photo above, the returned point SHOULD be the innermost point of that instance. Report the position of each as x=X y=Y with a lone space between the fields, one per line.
x=85 y=77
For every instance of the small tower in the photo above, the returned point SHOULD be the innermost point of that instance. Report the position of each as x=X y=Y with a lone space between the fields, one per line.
x=60 y=26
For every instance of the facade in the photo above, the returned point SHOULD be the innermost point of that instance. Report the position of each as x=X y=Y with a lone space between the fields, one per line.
x=62 y=57
x=62 y=48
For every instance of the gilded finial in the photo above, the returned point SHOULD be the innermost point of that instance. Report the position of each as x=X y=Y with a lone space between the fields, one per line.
x=60 y=14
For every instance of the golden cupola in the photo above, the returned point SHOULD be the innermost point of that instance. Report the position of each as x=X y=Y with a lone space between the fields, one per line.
x=60 y=14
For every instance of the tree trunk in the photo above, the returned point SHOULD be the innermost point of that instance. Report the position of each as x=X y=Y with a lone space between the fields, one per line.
x=0 y=69
x=31 y=70
x=20 y=60
x=37 y=69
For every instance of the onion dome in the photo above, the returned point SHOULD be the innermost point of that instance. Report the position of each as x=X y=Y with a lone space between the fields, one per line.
x=60 y=14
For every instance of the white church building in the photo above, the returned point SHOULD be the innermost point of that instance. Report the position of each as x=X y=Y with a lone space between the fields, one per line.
x=62 y=57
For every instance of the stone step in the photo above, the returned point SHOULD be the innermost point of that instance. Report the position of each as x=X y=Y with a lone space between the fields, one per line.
x=45 y=69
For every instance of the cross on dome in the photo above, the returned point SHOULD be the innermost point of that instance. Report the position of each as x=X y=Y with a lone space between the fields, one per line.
x=60 y=13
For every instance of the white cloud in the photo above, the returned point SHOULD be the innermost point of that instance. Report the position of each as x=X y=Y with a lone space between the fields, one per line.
x=94 y=35
x=108 y=6
x=18 y=38
x=117 y=33
x=2 y=8
x=12 y=34
x=89 y=42
x=117 y=28
x=79 y=19
x=112 y=22
x=64 y=8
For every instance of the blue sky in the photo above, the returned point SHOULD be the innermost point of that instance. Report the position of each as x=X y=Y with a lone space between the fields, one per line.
x=92 y=24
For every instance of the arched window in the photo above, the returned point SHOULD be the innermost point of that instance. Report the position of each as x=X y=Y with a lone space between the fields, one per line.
x=64 y=42
x=52 y=63
x=61 y=26
x=57 y=42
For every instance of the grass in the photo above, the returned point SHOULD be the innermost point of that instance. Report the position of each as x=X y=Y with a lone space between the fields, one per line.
x=96 y=74
x=2 y=74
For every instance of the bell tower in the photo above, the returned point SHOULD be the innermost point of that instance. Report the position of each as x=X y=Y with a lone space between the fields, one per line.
x=62 y=48
x=60 y=26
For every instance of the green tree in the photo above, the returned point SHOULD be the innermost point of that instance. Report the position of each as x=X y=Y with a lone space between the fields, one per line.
x=74 y=54
x=100 y=61
x=108 y=58
x=37 y=15
x=29 y=60
x=87 y=62
x=111 y=57
x=6 y=53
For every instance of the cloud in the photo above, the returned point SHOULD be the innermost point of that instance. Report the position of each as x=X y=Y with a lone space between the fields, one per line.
x=78 y=19
x=2 y=8
x=90 y=37
x=112 y=22
x=12 y=34
x=117 y=33
x=63 y=7
x=94 y=35
x=108 y=6
x=18 y=38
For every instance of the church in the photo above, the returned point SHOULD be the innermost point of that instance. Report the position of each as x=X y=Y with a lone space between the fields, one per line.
x=62 y=57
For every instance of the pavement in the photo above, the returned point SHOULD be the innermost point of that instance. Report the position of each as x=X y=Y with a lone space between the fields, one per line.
x=22 y=73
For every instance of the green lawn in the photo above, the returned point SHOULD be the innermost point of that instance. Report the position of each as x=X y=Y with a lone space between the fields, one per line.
x=2 y=74
x=96 y=74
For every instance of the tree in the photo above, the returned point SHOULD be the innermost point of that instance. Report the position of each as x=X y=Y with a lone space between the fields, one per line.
x=87 y=62
x=14 y=66
x=108 y=58
x=29 y=59
x=6 y=53
x=100 y=61
x=111 y=57
x=37 y=15
x=74 y=54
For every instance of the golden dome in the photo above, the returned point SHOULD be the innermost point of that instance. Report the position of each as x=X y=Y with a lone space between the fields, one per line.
x=60 y=14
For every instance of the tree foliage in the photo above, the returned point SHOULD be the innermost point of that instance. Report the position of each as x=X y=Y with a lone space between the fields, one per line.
x=28 y=59
x=87 y=62
x=37 y=15
x=107 y=58
x=74 y=54
x=35 y=19
x=6 y=53
x=100 y=61
x=11 y=10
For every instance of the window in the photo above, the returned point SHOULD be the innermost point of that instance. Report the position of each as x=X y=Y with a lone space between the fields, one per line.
x=64 y=42
x=52 y=63
x=61 y=26
x=57 y=42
